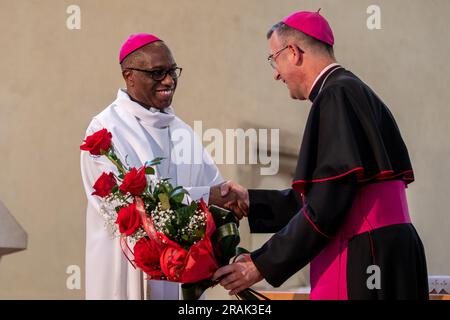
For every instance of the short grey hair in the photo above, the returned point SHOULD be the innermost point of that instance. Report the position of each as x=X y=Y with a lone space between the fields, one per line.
x=135 y=59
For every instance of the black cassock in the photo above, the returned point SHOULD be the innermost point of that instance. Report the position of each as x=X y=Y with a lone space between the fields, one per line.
x=347 y=211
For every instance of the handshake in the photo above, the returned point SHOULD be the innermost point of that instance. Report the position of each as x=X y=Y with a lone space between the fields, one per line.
x=231 y=196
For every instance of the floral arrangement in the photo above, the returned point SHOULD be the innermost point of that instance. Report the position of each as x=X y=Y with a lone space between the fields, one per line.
x=160 y=232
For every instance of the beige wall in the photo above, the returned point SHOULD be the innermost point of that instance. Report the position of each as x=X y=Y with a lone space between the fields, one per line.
x=54 y=80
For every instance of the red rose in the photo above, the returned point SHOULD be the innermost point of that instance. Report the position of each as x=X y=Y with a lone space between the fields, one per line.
x=104 y=185
x=134 y=182
x=146 y=257
x=173 y=262
x=128 y=219
x=97 y=142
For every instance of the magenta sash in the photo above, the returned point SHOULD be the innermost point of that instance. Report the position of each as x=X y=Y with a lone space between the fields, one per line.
x=376 y=205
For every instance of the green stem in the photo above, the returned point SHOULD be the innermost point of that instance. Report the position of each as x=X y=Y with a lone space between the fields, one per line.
x=121 y=169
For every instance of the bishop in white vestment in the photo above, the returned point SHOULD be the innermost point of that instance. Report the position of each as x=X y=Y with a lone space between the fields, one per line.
x=144 y=126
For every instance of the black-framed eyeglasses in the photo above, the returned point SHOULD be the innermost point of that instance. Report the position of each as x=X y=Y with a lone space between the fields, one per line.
x=160 y=74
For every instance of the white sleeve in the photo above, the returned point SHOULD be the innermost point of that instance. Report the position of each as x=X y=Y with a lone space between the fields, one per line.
x=195 y=193
x=92 y=167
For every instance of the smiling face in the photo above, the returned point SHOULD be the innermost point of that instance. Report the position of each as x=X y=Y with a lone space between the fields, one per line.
x=288 y=65
x=140 y=85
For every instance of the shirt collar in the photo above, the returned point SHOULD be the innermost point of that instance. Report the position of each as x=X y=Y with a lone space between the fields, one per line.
x=321 y=74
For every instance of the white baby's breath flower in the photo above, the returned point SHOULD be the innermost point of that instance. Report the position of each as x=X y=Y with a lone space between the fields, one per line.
x=137 y=235
x=109 y=214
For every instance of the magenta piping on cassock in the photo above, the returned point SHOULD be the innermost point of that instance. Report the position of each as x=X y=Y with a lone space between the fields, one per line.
x=408 y=176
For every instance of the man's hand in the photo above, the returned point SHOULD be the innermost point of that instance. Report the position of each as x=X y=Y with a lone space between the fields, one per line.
x=239 y=275
x=232 y=196
x=240 y=200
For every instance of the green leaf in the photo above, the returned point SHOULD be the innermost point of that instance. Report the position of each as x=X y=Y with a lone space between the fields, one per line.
x=164 y=198
x=226 y=238
x=200 y=232
x=185 y=237
x=177 y=194
x=175 y=189
x=183 y=215
x=171 y=230
x=156 y=161
x=194 y=205
x=222 y=216
x=149 y=170
x=152 y=198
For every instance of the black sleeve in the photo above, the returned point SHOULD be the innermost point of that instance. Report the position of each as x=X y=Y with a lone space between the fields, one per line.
x=307 y=233
x=271 y=210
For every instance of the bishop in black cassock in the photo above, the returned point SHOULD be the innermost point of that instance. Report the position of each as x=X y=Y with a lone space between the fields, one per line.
x=347 y=211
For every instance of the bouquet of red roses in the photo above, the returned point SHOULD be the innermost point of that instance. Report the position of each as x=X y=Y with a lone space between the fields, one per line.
x=170 y=239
